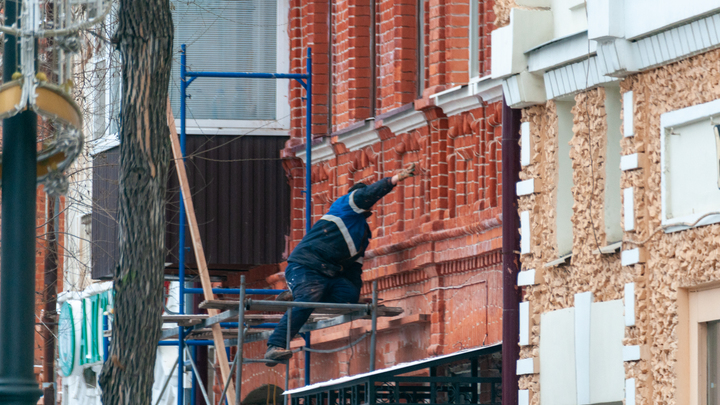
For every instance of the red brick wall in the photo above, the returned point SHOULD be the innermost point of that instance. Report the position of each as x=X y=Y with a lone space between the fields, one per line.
x=436 y=242
x=397 y=53
x=486 y=24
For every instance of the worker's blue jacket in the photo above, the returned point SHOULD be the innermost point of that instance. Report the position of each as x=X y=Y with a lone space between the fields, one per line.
x=336 y=244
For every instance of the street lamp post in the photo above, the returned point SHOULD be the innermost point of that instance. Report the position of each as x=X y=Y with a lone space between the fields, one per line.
x=17 y=262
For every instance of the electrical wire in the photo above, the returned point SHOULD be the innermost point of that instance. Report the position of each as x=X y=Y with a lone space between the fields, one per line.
x=665 y=227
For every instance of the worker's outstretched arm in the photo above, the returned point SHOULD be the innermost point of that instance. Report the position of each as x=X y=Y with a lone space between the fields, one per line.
x=366 y=197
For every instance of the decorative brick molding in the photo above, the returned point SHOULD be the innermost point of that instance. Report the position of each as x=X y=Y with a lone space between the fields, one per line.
x=474 y=263
x=396 y=281
x=403 y=279
x=424 y=237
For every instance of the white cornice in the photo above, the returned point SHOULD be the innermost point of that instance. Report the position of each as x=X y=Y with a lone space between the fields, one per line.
x=360 y=137
x=488 y=89
x=406 y=121
x=561 y=52
x=615 y=57
x=574 y=78
x=457 y=100
x=467 y=97
x=320 y=152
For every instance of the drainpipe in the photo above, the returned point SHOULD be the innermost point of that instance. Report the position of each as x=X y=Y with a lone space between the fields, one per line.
x=511 y=244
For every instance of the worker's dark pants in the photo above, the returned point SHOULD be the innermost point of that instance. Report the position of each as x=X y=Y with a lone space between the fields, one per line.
x=308 y=285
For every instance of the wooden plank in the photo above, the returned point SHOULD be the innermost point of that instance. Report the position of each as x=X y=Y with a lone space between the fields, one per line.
x=199 y=253
x=185 y=319
x=231 y=304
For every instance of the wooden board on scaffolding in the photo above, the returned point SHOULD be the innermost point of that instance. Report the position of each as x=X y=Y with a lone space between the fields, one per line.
x=233 y=304
x=218 y=337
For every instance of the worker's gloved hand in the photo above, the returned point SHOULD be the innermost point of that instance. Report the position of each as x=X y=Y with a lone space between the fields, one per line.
x=407 y=172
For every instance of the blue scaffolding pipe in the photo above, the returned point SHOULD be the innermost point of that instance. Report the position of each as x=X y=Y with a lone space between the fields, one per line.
x=266 y=325
x=106 y=340
x=306 y=336
x=230 y=75
x=186 y=78
x=181 y=231
x=235 y=291
x=308 y=180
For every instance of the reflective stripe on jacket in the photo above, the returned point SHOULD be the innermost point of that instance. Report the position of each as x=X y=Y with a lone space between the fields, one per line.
x=337 y=242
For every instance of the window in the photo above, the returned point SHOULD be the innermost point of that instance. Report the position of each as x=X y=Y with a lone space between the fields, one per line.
x=423 y=48
x=717 y=146
x=713 y=363
x=689 y=159
x=231 y=36
x=474 y=40
x=564 y=207
x=115 y=84
x=100 y=102
x=613 y=205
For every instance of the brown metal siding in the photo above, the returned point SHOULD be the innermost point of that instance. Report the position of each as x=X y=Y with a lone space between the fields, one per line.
x=241 y=197
x=105 y=253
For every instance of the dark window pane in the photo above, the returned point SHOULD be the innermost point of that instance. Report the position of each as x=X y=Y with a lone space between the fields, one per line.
x=713 y=343
x=226 y=36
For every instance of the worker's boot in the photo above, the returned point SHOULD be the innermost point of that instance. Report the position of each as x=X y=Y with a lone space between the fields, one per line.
x=284 y=296
x=276 y=355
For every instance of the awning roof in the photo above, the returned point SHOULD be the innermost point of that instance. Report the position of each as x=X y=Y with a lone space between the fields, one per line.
x=395 y=370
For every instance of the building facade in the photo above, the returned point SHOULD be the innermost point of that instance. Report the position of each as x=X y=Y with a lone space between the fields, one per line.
x=394 y=83
x=619 y=198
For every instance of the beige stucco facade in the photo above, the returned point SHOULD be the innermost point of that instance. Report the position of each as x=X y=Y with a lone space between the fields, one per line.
x=673 y=279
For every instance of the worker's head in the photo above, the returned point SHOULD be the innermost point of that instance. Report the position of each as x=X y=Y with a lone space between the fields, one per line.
x=357 y=186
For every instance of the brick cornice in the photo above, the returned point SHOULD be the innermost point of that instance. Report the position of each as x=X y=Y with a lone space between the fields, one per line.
x=434 y=236
x=473 y=263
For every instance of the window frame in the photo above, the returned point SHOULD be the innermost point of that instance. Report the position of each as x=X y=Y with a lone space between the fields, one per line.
x=612 y=204
x=670 y=121
x=420 y=32
x=474 y=40
x=564 y=199
x=279 y=126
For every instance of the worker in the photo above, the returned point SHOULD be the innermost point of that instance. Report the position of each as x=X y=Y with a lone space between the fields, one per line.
x=327 y=264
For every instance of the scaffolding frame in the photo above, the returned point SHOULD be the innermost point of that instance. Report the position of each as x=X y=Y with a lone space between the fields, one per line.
x=344 y=312
x=186 y=78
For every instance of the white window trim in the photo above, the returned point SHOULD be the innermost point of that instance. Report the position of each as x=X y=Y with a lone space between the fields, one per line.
x=474 y=40
x=685 y=116
x=278 y=127
x=107 y=141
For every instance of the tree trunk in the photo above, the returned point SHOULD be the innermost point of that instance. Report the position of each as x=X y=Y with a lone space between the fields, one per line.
x=144 y=37
x=50 y=317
